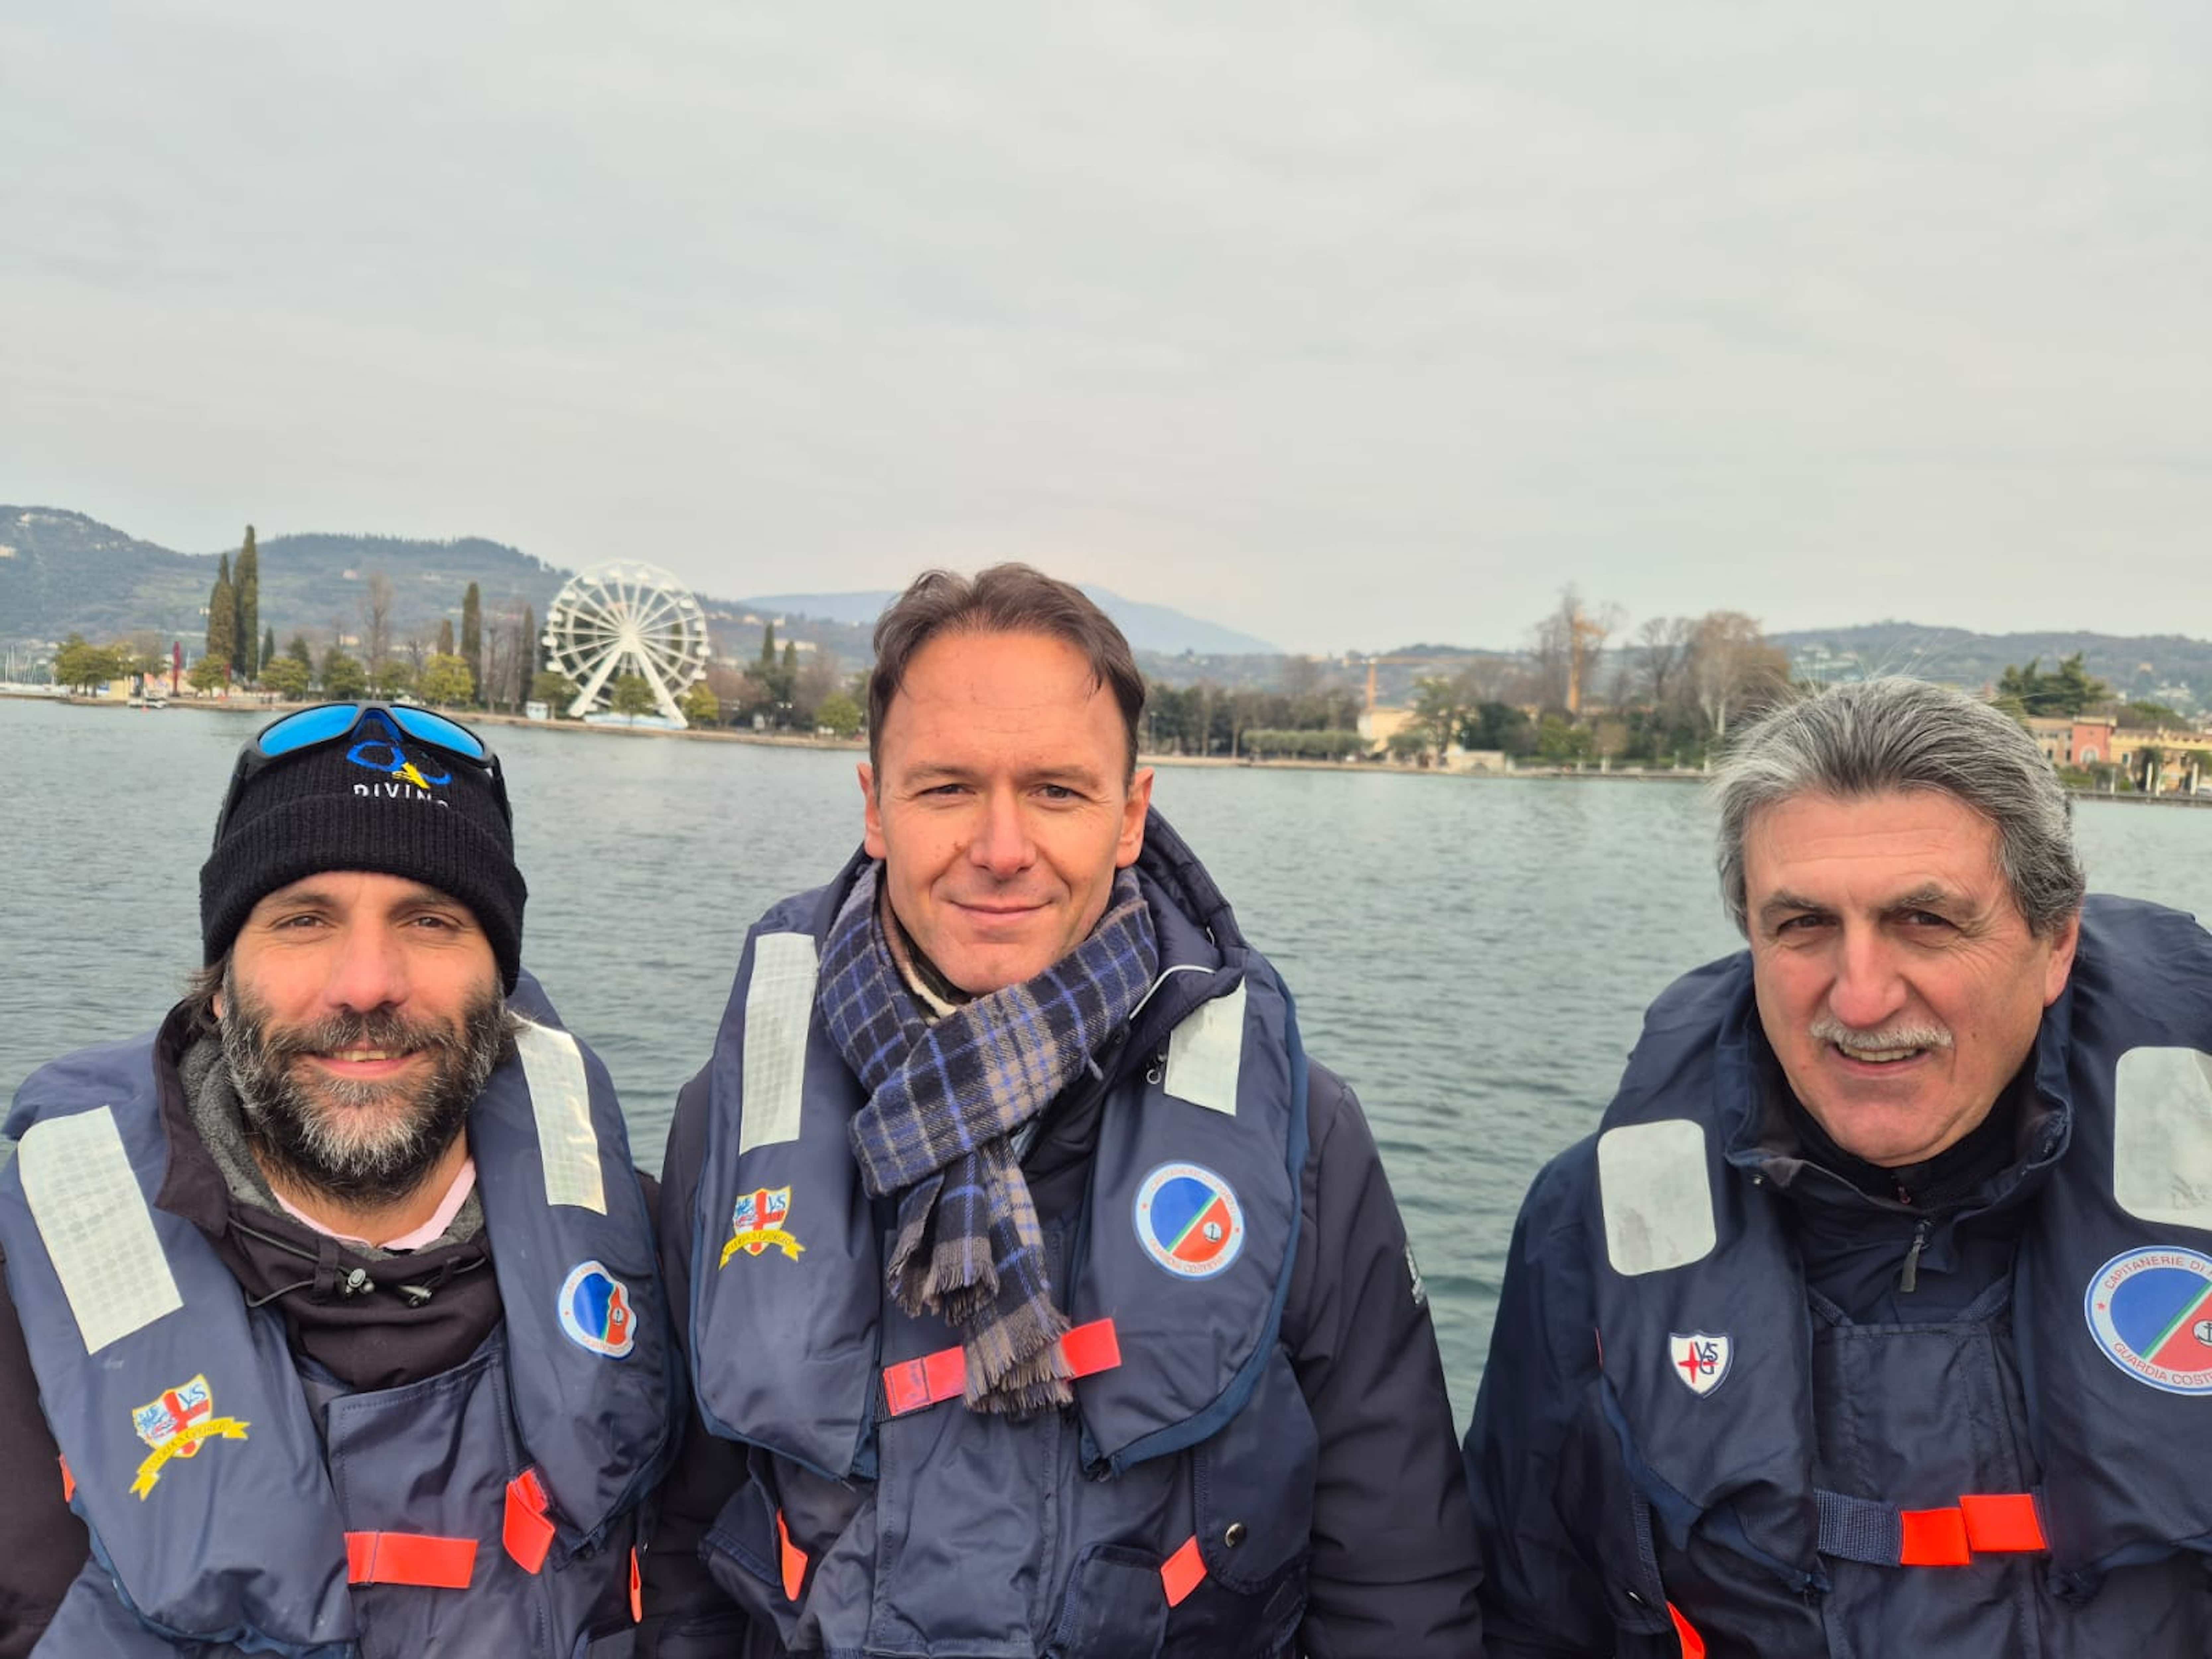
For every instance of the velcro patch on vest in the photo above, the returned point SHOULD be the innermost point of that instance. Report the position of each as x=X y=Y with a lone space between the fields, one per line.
x=1658 y=1198
x=1205 y=1054
x=561 y=1101
x=2162 y=1136
x=779 y=1010
x=92 y=1219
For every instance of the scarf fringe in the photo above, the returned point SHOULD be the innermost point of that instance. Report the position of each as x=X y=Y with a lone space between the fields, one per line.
x=1014 y=1365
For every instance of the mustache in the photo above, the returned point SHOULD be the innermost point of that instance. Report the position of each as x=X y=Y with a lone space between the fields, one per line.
x=1827 y=1028
x=380 y=1028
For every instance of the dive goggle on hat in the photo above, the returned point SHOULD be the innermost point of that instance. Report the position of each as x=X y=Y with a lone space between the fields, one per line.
x=382 y=723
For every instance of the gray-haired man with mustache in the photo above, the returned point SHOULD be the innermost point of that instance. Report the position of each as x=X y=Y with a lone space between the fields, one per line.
x=1877 y=1317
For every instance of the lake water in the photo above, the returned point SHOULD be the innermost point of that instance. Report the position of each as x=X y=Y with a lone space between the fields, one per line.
x=1473 y=956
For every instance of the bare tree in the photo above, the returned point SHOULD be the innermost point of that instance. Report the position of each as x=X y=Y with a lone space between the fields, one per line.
x=1732 y=667
x=1566 y=647
x=1662 y=647
x=376 y=619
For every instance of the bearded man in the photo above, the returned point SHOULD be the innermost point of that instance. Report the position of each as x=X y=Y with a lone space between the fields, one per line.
x=1876 y=1318
x=1041 y=1298
x=331 y=1323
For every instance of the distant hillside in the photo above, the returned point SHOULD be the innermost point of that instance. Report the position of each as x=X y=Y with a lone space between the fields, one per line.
x=65 y=573
x=2166 y=668
x=61 y=572
x=1149 y=628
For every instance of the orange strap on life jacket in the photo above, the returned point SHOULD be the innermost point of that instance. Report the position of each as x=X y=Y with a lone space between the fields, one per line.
x=793 y=1560
x=69 y=1481
x=1693 y=1645
x=637 y=1589
x=1984 y=1524
x=913 y=1385
x=409 y=1558
x=526 y=1532
x=1183 y=1572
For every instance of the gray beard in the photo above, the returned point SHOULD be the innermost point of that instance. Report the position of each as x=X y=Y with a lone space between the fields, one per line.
x=338 y=1136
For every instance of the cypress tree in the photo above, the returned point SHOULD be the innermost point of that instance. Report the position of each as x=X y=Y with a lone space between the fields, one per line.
x=246 y=585
x=298 y=651
x=768 y=646
x=223 y=618
x=268 y=649
x=446 y=636
x=472 y=636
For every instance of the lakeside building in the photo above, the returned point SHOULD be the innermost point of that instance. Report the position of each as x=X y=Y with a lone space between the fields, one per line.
x=2185 y=758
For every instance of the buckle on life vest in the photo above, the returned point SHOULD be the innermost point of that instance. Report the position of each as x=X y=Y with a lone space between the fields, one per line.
x=422 y=1559
x=913 y=1385
x=526 y=1531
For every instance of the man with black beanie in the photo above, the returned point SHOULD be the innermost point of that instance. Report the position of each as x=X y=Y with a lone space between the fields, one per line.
x=331 y=1321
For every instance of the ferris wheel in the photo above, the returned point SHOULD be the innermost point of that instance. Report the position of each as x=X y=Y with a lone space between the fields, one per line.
x=623 y=617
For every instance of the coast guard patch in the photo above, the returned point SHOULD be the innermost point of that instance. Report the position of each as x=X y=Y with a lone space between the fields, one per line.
x=1188 y=1220
x=2150 y=1311
x=1700 y=1360
x=595 y=1311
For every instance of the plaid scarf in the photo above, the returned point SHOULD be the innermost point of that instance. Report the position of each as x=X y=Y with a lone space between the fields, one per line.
x=944 y=1100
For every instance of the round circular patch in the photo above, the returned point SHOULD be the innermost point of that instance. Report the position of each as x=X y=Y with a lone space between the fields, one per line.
x=2151 y=1312
x=595 y=1310
x=1189 y=1221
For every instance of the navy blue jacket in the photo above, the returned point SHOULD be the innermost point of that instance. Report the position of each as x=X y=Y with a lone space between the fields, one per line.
x=1392 y=1569
x=1854 y=1344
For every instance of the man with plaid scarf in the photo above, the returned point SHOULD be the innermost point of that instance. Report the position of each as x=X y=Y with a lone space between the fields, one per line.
x=1039 y=1296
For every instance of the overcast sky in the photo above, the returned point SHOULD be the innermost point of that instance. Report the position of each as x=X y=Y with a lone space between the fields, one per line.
x=1346 y=327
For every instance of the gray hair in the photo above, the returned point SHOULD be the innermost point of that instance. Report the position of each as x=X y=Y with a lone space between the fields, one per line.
x=1904 y=734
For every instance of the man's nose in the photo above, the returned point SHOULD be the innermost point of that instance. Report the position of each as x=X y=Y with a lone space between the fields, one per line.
x=1868 y=988
x=369 y=970
x=1002 y=844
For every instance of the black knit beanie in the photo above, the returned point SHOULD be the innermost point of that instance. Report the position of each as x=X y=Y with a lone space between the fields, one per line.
x=375 y=801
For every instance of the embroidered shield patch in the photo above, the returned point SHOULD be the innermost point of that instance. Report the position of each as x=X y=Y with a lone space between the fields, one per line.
x=1700 y=1360
x=175 y=1426
x=757 y=1224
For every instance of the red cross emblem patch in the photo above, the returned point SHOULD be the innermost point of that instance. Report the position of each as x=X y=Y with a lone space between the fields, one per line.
x=1700 y=1360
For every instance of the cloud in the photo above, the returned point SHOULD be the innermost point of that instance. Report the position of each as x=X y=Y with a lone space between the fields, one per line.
x=1343 y=326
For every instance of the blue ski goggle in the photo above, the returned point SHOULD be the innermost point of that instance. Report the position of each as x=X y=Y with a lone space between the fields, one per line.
x=334 y=722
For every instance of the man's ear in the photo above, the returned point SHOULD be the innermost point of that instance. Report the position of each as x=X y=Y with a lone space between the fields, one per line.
x=1139 y=802
x=871 y=812
x=2057 y=971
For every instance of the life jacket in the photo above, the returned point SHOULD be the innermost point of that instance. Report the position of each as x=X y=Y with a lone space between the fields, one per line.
x=1712 y=1364
x=1169 y=1510
x=242 y=1498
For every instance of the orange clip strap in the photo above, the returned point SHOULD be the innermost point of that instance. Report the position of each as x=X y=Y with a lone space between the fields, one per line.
x=1693 y=1645
x=637 y=1589
x=1934 y=1538
x=1089 y=1349
x=1183 y=1572
x=794 y=1558
x=409 y=1558
x=912 y=1385
x=526 y=1532
x=2003 y=1522
x=69 y=1481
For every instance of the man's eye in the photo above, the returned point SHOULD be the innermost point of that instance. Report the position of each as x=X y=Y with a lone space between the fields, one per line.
x=1057 y=792
x=1924 y=919
x=1800 y=924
